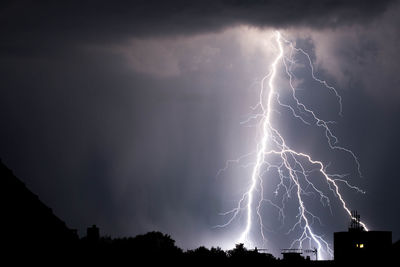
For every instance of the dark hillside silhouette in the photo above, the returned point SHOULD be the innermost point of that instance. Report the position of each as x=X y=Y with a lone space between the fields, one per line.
x=28 y=225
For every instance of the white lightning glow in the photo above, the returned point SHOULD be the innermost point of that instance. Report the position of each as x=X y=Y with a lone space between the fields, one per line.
x=293 y=167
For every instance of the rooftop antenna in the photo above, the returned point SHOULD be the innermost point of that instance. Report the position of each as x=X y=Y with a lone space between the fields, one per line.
x=314 y=251
x=355 y=224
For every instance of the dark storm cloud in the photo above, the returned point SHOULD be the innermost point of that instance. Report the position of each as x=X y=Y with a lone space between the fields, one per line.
x=35 y=22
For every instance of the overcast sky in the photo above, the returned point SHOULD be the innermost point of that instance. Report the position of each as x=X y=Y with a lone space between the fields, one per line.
x=121 y=115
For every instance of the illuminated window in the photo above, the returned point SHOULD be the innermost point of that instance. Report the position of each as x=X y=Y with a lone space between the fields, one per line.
x=361 y=245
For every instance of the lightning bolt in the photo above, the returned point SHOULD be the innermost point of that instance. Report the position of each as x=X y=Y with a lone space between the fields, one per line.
x=293 y=168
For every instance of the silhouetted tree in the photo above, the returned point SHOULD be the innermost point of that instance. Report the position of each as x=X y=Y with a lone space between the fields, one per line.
x=204 y=255
x=218 y=253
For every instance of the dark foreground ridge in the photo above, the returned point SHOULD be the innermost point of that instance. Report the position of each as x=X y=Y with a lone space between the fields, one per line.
x=33 y=234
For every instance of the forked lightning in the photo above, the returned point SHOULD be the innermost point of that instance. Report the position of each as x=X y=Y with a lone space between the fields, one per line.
x=292 y=167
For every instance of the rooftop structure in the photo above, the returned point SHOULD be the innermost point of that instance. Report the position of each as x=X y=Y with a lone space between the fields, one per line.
x=360 y=245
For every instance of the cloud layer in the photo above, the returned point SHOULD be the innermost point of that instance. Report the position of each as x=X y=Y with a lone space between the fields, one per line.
x=38 y=21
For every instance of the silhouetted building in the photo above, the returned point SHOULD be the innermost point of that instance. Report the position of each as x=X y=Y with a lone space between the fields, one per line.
x=93 y=233
x=360 y=245
x=292 y=255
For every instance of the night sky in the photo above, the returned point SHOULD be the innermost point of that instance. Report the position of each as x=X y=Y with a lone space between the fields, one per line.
x=122 y=115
